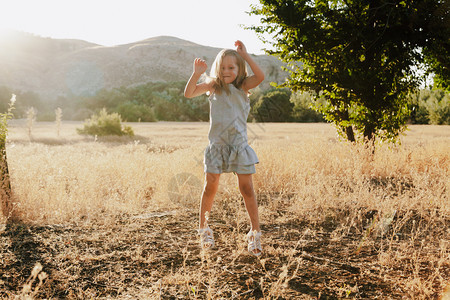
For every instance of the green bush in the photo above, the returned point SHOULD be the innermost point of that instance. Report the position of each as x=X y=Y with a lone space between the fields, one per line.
x=439 y=109
x=273 y=106
x=303 y=108
x=102 y=124
x=430 y=107
x=134 y=112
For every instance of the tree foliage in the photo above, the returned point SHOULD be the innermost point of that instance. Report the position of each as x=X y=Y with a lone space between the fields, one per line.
x=273 y=106
x=430 y=107
x=437 y=51
x=358 y=55
x=303 y=110
x=281 y=105
x=5 y=184
x=153 y=101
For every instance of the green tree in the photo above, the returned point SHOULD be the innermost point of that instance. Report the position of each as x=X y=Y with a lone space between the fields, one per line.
x=359 y=55
x=438 y=107
x=430 y=107
x=134 y=112
x=149 y=102
x=419 y=112
x=303 y=110
x=273 y=106
x=437 y=50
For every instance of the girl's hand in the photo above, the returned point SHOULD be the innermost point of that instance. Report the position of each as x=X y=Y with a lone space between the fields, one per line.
x=193 y=89
x=200 y=66
x=240 y=48
x=258 y=74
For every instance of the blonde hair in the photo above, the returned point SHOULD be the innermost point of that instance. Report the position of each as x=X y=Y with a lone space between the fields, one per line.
x=218 y=85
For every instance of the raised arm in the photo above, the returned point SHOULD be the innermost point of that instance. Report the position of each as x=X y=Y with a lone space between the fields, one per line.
x=192 y=88
x=258 y=74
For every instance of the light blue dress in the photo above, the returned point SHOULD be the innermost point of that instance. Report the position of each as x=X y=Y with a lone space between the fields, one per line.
x=228 y=149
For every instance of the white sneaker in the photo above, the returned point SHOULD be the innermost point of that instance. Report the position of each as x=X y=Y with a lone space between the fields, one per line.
x=206 y=238
x=254 y=242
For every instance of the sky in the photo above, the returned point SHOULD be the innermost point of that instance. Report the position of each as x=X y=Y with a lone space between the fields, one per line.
x=215 y=23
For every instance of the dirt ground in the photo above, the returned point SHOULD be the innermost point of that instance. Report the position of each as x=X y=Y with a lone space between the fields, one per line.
x=156 y=256
x=335 y=225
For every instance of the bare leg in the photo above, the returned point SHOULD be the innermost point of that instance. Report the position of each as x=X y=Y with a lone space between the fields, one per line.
x=209 y=191
x=246 y=188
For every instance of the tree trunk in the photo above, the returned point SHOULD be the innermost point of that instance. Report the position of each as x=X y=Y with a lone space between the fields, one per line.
x=5 y=191
x=350 y=134
x=369 y=134
x=343 y=115
x=369 y=138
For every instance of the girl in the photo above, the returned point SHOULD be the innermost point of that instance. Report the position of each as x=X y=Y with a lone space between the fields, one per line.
x=228 y=149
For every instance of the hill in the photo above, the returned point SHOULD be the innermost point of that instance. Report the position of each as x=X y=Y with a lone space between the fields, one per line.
x=61 y=67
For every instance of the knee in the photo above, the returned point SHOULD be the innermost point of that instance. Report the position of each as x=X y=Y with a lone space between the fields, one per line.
x=211 y=183
x=246 y=190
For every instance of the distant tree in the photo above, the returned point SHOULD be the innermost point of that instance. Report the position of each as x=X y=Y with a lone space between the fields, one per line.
x=303 y=110
x=167 y=107
x=133 y=112
x=27 y=100
x=419 y=112
x=150 y=102
x=273 y=106
x=359 y=55
x=197 y=109
x=438 y=107
x=430 y=107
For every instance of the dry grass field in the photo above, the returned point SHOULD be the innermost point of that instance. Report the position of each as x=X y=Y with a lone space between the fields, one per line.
x=116 y=217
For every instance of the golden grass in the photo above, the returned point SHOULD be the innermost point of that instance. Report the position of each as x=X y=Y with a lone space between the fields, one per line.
x=392 y=203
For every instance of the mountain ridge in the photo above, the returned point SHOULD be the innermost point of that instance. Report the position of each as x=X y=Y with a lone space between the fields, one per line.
x=62 y=67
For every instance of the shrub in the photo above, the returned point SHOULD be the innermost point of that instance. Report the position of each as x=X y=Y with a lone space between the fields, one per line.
x=134 y=112
x=303 y=108
x=438 y=106
x=102 y=124
x=273 y=106
x=430 y=107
